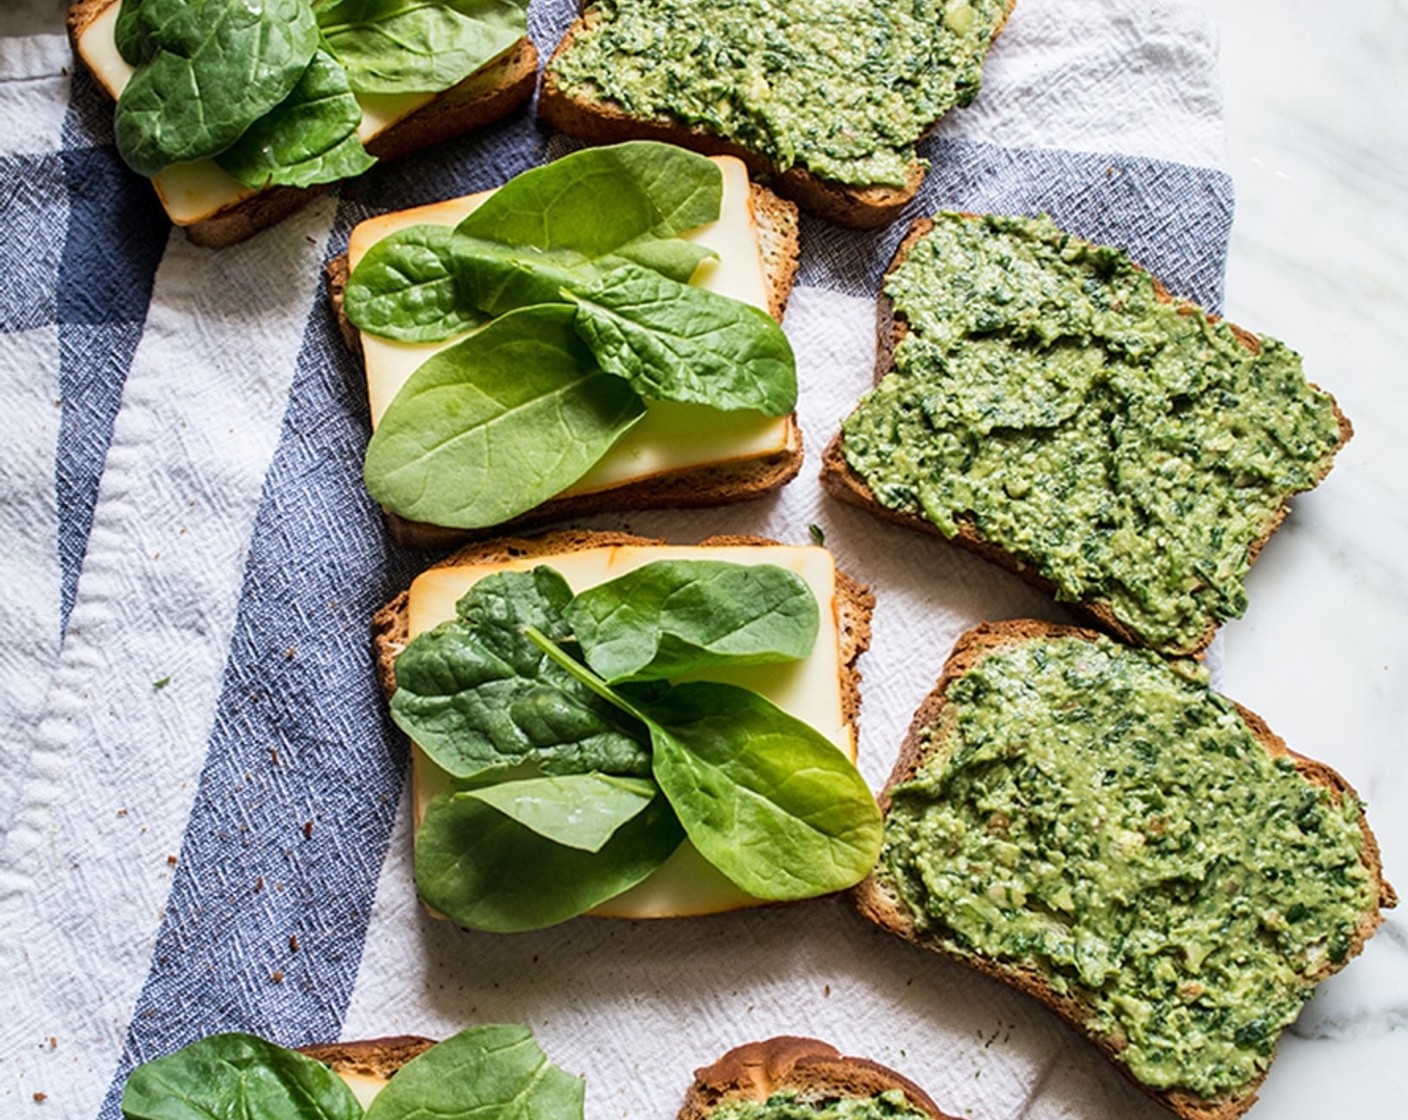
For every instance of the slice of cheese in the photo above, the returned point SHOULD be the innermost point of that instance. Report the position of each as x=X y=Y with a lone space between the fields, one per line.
x=364 y=1086
x=671 y=436
x=810 y=689
x=192 y=192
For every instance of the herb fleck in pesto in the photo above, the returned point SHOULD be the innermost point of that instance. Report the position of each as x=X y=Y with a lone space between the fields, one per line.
x=1099 y=815
x=842 y=89
x=1131 y=451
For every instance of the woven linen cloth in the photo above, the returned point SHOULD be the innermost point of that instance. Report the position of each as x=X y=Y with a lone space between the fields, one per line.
x=203 y=812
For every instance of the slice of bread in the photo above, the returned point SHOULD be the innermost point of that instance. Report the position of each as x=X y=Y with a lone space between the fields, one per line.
x=841 y=481
x=605 y=122
x=879 y=898
x=769 y=457
x=824 y=690
x=368 y=1064
x=815 y=1071
x=217 y=211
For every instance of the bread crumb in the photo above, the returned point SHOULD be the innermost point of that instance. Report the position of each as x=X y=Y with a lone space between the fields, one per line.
x=40 y=1098
x=277 y=976
x=171 y=861
x=307 y=830
x=293 y=942
x=259 y=884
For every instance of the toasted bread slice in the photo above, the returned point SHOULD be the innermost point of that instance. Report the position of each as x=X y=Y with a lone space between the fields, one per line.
x=841 y=481
x=656 y=465
x=882 y=897
x=824 y=691
x=367 y=1064
x=603 y=122
x=816 y=1072
x=216 y=211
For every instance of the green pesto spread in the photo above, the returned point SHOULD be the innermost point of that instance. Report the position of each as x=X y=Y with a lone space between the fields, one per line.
x=790 y=1105
x=1101 y=816
x=1128 y=450
x=842 y=89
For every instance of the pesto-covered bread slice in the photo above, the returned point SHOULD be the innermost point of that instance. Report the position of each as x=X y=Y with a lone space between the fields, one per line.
x=1093 y=825
x=384 y=81
x=788 y=1078
x=1044 y=402
x=825 y=99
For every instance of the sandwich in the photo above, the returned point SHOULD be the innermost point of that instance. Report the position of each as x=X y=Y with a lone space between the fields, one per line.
x=1047 y=404
x=785 y=1077
x=241 y=112
x=600 y=333
x=824 y=101
x=611 y=724
x=490 y=1071
x=1093 y=825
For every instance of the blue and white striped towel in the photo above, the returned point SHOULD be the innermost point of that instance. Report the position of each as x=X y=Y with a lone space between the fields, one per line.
x=202 y=815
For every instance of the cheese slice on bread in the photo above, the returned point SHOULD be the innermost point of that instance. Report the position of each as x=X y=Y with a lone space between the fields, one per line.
x=366 y=1065
x=1094 y=826
x=822 y=690
x=217 y=210
x=679 y=455
x=806 y=1071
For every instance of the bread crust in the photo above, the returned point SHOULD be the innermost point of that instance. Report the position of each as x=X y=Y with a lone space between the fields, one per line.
x=714 y=484
x=372 y=1057
x=887 y=911
x=854 y=600
x=756 y=1070
x=489 y=94
x=843 y=483
x=602 y=122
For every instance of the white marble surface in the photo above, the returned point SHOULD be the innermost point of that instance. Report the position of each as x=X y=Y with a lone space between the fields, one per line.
x=1316 y=113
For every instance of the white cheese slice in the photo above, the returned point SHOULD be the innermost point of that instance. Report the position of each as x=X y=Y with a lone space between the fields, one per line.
x=364 y=1087
x=809 y=689
x=191 y=192
x=671 y=436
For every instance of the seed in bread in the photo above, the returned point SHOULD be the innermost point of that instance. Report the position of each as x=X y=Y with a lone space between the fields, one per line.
x=825 y=100
x=1044 y=402
x=786 y=1078
x=1093 y=825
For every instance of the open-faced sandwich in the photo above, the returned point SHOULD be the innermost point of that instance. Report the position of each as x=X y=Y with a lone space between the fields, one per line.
x=1045 y=403
x=1092 y=824
x=599 y=333
x=824 y=100
x=240 y=110
x=608 y=723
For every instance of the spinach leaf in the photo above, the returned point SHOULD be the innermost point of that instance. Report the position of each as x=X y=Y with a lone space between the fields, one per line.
x=310 y=137
x=418 y=46
x=496 y=278
x=497 y=423
x=766 y=799
x=240 y=1077
x=599 y=199
x=581 y=811
x=130 y=34
x=670 y=256
x=677 y=616
x=404 y=288
x=480 y=697
x=213 y=68
x=488 y=871
x=483 y=1073
x=670 y=341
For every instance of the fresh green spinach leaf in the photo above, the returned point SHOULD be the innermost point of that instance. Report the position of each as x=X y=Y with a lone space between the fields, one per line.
x=670 y=341
x=497 y=423
x=480 y=697
x=765 y=798
x=483 y=1073
x=495 y=278
x=130 y=34
x=670 y=256
x=673 y=617
x=488 y=871
x=598 y=200
x=418 y=46
x=308 y=138
x=581 y=811
x=404 y=288
x=214 y=67
x=239 y=1077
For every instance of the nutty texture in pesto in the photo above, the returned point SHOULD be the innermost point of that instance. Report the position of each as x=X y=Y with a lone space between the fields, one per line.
x=842 y=89
x=1124 y=446
x=787 y=1105
x=1101 y=816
